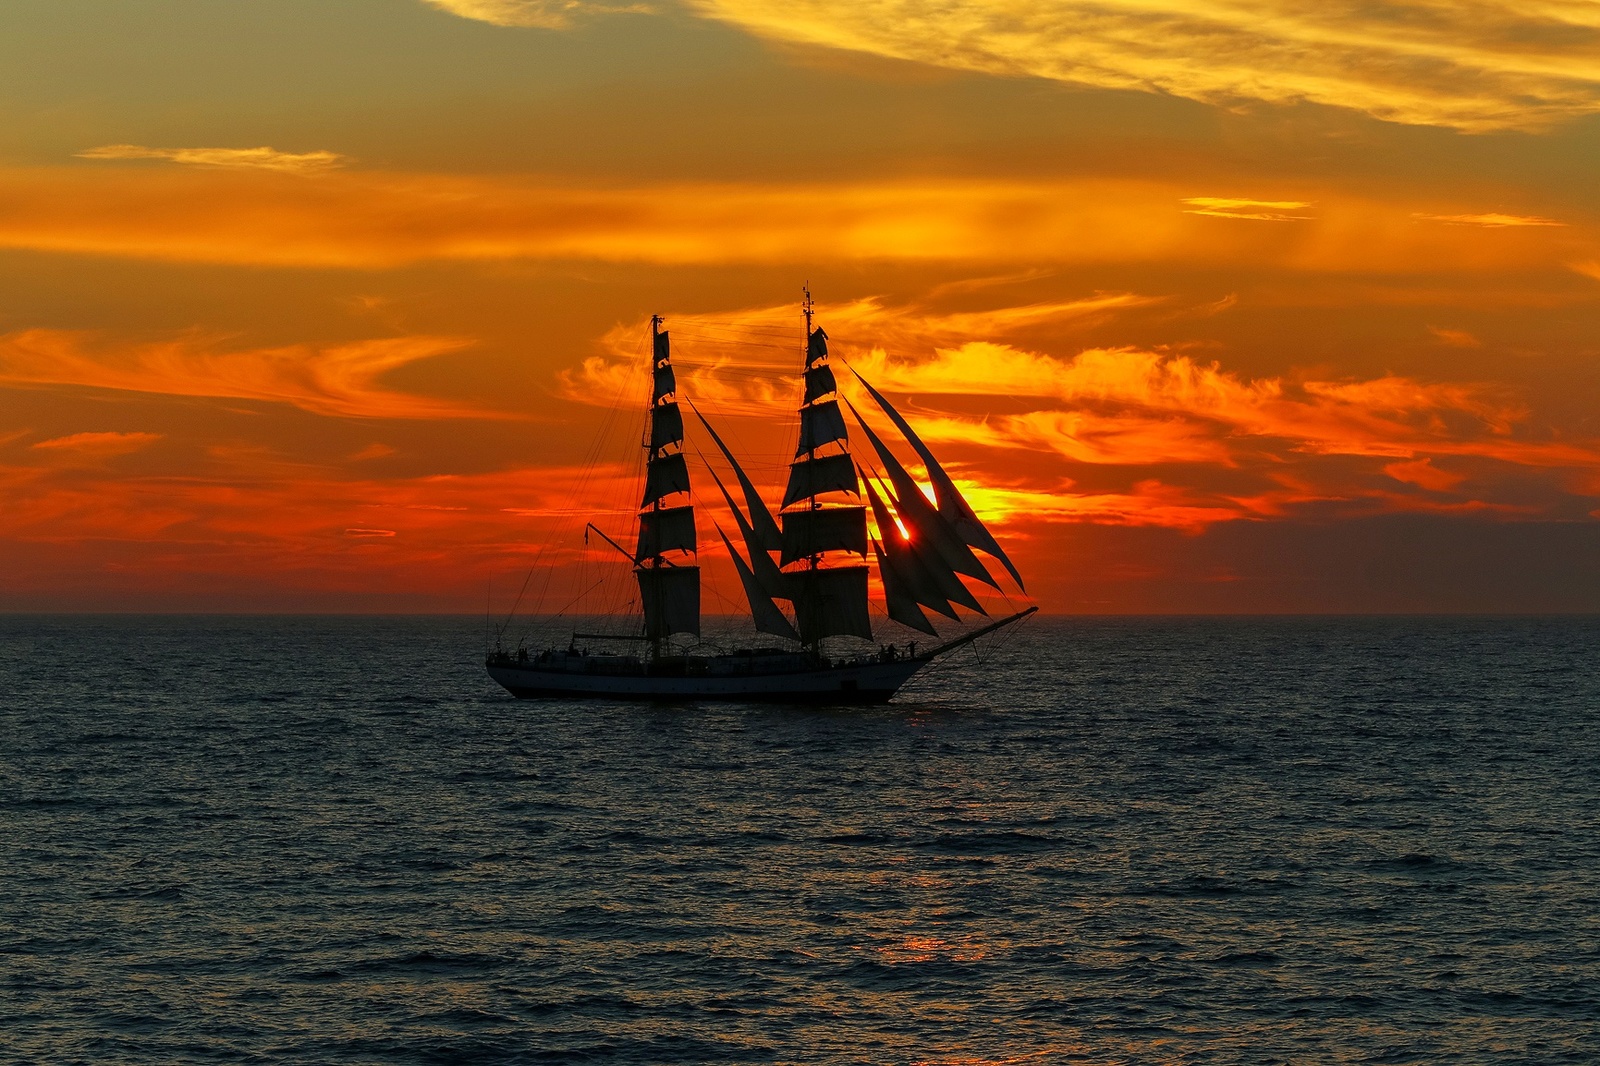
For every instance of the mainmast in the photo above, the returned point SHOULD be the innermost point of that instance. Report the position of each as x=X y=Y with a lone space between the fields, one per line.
x=821 y=531
x=668 y=576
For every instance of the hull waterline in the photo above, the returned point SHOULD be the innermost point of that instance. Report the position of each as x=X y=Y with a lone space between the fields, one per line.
x=850 y=683
x=769 y=676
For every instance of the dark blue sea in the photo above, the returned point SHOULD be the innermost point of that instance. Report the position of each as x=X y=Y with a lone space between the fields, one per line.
x=333 y=840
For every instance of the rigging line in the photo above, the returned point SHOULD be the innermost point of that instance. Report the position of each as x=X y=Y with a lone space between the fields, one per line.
x=579 y=596
x=591 y=460
x=738 y=332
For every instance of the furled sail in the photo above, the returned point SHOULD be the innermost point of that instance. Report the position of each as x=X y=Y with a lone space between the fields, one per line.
x=670 y=596
x=761 y=519
x=820 y=423
x=952 y=505
x=897 y=595
x=831 y=603
x=921 y=516
x=933 y=585
x=765 y=613
x=831 y=473
x=810 y=533
x=773 y=581
x=669 y=529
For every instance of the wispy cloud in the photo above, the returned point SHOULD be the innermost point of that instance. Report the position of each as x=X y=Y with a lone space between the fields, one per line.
x=1455 y=338
x=361 y=219
x=248 y=158
x=1014 y=419
x=542 y=14
x=342 y=380
x=99 y=444
x=1492 y=219
x=1473 y=64
x=1259 y=210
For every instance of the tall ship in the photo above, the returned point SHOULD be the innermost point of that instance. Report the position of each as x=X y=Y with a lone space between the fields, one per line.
x=805 y=569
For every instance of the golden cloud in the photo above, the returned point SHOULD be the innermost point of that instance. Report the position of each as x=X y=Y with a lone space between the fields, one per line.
x=1257 y=210
x=364 y=220
x=1492 y=219
x=248 y=158
x=1473 y=65
x=342 y=380
x=1123 y=407
x=542 y=14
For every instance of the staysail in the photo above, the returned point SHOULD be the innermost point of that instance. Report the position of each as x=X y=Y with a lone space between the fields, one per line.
x=931 y=584
x=952 y=505
x=669 y=584
x=771 y=579
x=931 y=527
x=760 y=518
x=763 y=611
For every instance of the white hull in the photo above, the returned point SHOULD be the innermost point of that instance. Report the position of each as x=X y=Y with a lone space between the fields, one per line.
x=872 y=682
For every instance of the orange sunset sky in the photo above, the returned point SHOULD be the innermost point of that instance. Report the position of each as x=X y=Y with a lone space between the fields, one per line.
x=1218 y=305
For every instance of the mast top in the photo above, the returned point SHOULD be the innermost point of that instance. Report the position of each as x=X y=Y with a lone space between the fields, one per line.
x=807 y=305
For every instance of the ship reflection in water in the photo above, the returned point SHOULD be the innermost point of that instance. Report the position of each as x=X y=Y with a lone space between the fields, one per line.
x=1123 y=841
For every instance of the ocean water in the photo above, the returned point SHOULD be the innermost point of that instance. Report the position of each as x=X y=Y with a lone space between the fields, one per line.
x=314 y=840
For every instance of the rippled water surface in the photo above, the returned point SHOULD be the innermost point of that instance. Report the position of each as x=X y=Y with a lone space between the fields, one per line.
x=334 y=840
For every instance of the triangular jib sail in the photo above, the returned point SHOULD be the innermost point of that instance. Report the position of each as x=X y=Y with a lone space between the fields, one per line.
x=952 y=505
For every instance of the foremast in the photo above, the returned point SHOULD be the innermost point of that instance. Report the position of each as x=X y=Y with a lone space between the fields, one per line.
x=665 y=561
